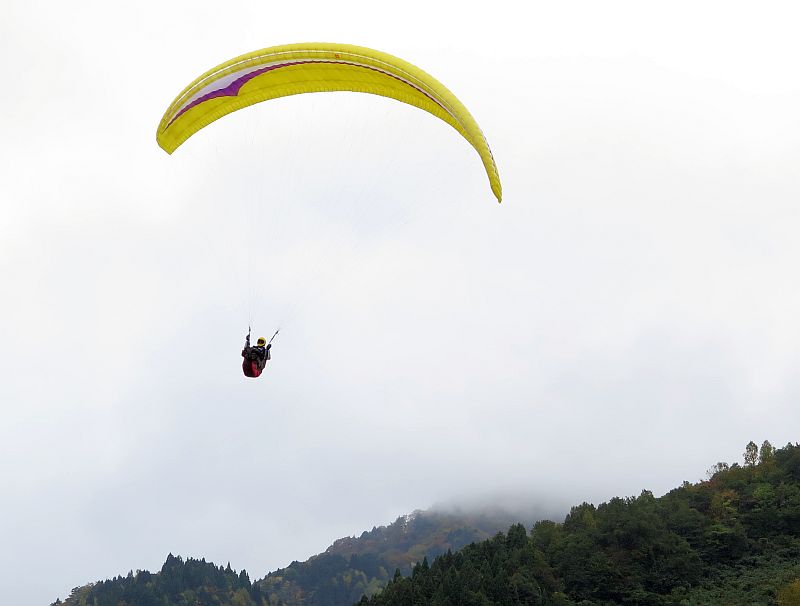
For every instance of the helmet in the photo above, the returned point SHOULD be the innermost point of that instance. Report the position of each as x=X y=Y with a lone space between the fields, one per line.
x=261 y=341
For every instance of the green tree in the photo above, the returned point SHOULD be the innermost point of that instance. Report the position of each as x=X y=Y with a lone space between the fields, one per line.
x=767 y=453
x=751 y=454
x=720 y=467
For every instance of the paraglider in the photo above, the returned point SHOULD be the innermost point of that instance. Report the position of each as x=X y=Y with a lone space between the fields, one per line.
x=255 y=357
x=294 y=69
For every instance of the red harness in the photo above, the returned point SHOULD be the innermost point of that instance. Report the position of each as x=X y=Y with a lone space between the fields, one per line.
x=250 y=368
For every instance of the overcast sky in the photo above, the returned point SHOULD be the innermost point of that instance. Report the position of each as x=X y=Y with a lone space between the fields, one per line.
x=624 y=320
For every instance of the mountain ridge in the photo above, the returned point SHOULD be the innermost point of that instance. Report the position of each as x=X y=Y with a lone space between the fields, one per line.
x=732 y=539
x=354 y=566
x=359 y=564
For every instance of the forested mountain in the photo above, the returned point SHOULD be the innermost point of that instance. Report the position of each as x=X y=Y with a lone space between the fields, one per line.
x=347 y=570
x=732 y=540
x=179 y=583
x=352 y=567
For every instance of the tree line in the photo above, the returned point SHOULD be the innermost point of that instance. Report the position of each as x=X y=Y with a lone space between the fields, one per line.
x=733 y=539
x=179 y=583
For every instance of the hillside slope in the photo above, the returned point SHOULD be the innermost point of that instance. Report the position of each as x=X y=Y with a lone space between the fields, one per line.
x=733 y=540
x=352 y=567
x=345 y=571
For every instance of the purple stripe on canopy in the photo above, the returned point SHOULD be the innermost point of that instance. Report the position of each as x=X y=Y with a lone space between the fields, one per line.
x=234 y=87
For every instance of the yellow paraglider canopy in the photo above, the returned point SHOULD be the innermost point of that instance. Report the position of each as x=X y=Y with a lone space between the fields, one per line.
x=294 y=69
